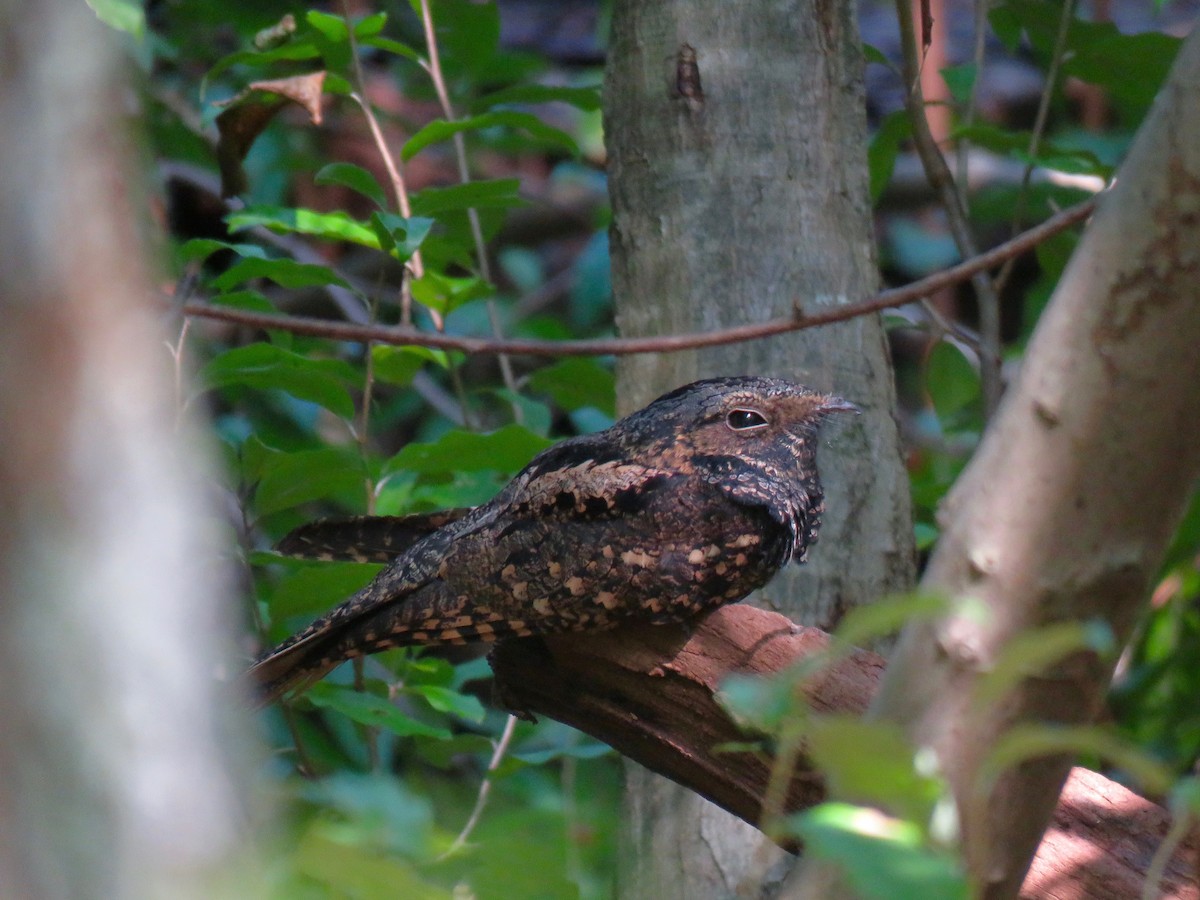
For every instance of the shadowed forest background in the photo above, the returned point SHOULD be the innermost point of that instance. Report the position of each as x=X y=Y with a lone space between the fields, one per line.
x=441 y=167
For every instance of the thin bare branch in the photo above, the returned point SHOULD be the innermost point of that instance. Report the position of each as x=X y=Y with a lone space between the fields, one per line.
x=893 y=297
x=942 y=180
x=485 y=788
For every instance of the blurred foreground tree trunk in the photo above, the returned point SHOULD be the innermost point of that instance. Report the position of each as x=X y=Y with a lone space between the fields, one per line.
x=112 y=785
x=737 y=159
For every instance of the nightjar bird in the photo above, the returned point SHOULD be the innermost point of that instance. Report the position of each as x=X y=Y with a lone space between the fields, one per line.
x=686 y=505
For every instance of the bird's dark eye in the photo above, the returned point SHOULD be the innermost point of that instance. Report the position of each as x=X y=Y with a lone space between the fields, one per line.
x=743 y=419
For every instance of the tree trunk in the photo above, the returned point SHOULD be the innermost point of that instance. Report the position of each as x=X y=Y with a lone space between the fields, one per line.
x=737 y=164
x=1065 y=512
x=112 y=784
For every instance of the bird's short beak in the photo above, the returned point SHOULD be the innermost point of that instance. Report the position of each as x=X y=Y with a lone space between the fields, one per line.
x=836 y=404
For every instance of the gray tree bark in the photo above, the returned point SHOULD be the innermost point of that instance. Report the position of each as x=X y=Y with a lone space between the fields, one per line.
x=113 y=785
x=737 y=164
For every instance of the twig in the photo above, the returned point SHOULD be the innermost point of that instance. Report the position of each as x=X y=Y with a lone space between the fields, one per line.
x=464 y=177
x=1039 y=128
x=962 y=149
x=404 y=335
x=396 y=178
x=184 y=288
x=942 y=181
x=485 y=788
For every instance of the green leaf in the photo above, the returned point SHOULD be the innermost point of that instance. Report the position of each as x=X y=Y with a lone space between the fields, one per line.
x=534 y=414
x=333 y=226
x=252 y=300
x=505 y=450
x=389 y=46
x=336 y=84
x=884 y=148
x=332 y=27
x=398 y=365
x=577 y=382
x=1007 y=27
x=314 y=589
x=285 y=272
x=960 y=80
x=432 y=670
x=1033 y=652
x=370 y=26
x=441 y=130
x=399 y=236
x=1073 y=161
x=327 y=866
x=577 y=750
x=873 y=54
x=951 y=380
x=871 y=763
x=990 y=137
x=307 y=475
x=1142 y=63
x=254 y=458
x=882 y=858
x=354 y=177
x=128 y=16
x=585 y=98
x=203 y=248
x=1131 y=67
x=500 y=193
x=925 y=534
x=871 y=621
x=265 y=366
x=468 y=34
x=295 y=50
x=1026 y=742
x=368 y=709
x=760 y=704
x=446 y=700
x=446 y=293
x=1015 y=144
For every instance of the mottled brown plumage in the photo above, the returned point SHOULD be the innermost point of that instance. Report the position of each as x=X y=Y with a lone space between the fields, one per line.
x=688 y=504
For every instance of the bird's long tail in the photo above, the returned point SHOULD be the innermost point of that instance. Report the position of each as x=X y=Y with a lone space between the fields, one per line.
x=347 y=633
x=364 y=538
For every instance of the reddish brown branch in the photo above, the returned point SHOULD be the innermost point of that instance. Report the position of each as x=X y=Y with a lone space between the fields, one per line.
x=893 y=297
x=650 y=692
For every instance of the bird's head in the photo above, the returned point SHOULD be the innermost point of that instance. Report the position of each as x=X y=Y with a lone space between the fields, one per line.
x=768 y=419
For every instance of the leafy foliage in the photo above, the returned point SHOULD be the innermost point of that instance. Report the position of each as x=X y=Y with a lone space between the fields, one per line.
x=310 y=426
x=315 y=426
